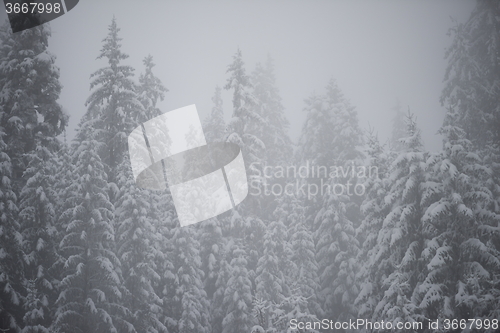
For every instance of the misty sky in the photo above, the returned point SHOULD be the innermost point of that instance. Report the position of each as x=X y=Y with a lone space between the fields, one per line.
x=378 y=51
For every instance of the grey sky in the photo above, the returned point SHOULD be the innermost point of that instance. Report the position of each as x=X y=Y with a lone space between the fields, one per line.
x=379 y=51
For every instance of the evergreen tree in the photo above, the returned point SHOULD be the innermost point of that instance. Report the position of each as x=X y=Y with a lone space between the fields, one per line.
x=113 y=104
x=330 y=141
x=268 y=106
x=245 y=223
x=316 y=136
x=472 y=90
x=472 y=77
x=245 y=126
x=273 y=131
x=330 y=138
x=214 y=126
x=461 y=262
x=347 y=136
x=29 y=89
x=91 y=291
x=244 y=115
x=401 y=240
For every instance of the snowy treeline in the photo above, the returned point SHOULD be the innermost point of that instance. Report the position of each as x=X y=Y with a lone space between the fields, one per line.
x=83 y=249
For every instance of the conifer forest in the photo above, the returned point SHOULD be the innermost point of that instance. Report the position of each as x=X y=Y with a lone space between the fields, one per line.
x=339 y=227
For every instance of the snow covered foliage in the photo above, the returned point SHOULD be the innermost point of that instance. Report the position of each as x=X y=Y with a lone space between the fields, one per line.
x=336 y=249
x=10 y=246
x=38 y=229
x=271 y=285
x=472 y=78
x=459 y=256
x=302 y=267
x=238 y=296
x=137 y=249
x=244 y=127
x=472 y=155
x=374 y=209
x=330 y=137
x=29 y=89
x=91 y=282
x=190 y=296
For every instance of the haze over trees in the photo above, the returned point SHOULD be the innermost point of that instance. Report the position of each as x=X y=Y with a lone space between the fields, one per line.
x=83 y=249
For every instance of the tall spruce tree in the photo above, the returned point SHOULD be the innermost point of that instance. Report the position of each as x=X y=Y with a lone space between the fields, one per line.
x=268 y=105
x=113 y=104
x=245 y=126
x=472 y=77
x=333 y=132
x=461 y=262
x=330 y=138
x=273 y=132
x=472 y=89
x=401 y=238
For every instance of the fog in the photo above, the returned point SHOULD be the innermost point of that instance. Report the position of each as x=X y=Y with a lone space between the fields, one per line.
x=379 y=52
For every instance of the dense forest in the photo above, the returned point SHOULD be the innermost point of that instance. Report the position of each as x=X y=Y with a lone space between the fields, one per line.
x=415 y=238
